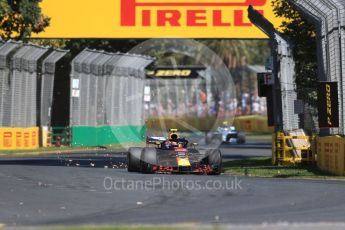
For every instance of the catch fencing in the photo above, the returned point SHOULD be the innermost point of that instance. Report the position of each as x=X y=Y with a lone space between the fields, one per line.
x=284 y=86
x=328 y=16
x=106 y=92
x=107 y=98
x=27 y=74
x=6 y=52
x=23 y=86
x=174 y=97
x=46 y=84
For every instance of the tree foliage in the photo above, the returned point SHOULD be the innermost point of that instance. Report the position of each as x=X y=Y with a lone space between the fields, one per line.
x=234 y=53
x=303 y=36
x=238 y=53
x=109 y=45
x=20 y=18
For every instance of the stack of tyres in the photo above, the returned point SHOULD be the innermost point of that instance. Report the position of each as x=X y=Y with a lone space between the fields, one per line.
x=330 y=154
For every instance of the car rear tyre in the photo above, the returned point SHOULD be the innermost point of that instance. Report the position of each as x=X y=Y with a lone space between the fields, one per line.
x=133 y=159
x=208 y=138
x=148 y=160
x=215 y=160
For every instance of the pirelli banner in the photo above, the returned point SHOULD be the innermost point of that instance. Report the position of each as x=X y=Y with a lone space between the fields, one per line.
x=19 y=138
x=328 y=105
x=153 y=18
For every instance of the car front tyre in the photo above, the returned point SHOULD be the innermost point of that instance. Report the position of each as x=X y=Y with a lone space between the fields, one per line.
x=148 y=160
x=215 y=160
x=133 y=159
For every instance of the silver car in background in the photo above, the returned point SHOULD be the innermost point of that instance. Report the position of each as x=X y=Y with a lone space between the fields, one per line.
x=227 y=135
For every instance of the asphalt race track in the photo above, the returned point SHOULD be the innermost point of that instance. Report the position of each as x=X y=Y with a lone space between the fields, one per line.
x=96 y=189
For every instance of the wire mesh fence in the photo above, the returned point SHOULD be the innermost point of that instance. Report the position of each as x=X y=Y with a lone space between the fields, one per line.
x=286 y=75
x=173 y=97
x=307 y=109
x=24 y=85
x=27 y=74
x=6 y=52
x=107 y=89
x=328 y=16
x=47 y=85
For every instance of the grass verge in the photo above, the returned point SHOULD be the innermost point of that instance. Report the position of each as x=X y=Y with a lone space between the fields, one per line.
x=259 y=136
x=262 y=167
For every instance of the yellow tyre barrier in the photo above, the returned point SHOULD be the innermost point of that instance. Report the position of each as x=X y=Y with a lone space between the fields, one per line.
x=288 y=149
x=330 y=154
x=253 y=124
x=19 y=138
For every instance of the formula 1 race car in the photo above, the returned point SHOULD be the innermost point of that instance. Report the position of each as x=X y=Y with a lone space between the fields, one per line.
x=173 y=156
x=226 y=134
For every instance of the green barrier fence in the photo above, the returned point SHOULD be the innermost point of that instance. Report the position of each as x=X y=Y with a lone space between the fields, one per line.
x=60 y=136
x=88 y=136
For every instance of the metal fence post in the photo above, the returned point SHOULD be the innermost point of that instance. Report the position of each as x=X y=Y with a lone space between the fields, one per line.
x=284 y=91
